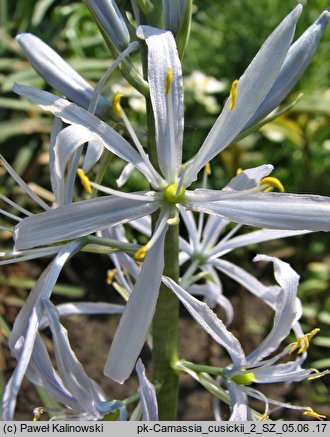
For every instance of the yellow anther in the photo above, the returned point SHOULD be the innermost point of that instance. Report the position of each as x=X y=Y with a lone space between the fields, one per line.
x=315 y=415
x=116 y=106
x=318 y=374
x=208 y=168
x=273 y=183
x=169 y=79
x=312 y=334
x=244 y=379
x=84 y=180
x=264 y=418
x=37 y=413
x=141 y=253
x=303 y=342
x=111 y=275
x=239 y=171
x=233 y=95
x=296 y=345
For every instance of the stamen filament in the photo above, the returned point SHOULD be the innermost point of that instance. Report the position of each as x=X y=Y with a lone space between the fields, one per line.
x=150 y=197
x=97 y=92
x=22 y=184
x=9 y=215
x=141 y=253
x=15 y=205
x=140 y=149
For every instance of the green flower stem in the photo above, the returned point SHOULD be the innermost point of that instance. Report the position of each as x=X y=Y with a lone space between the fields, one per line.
x=115 y=245
x=209 y=383
x=199 y=368
x=165 y=333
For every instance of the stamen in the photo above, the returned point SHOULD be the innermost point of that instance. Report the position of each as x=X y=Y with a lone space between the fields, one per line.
x=315 y=415
x=208 y=168
x=141 y=253
x=37 y=413
x=163 y=222
x=136 y=141
x=116 y=105
x=111 y=275
x=318 y=374
x=313 y=333
x=303 y=342
x=11 y=216
x=239 y=171
x=15 y=205
x=97 y=92
x=22 y=184
x=233 y=95
x=149 y=196
x=169 y=79
x=84 y=180
x=273 y=183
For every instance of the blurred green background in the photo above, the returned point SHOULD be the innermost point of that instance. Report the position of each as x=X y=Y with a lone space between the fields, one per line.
x=225 y=35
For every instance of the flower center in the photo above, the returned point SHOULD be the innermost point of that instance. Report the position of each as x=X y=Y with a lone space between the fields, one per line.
x=171 y=195
x=244 y=379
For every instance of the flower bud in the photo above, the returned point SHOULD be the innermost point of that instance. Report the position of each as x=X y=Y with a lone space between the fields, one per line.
x=110 y=22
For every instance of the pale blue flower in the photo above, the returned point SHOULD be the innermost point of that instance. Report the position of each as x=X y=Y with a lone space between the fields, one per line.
x=23 y=336
x=147 y=394
x=255 y=367
x=109 y=18
x=58 y=73
x=208 y=243
x=252 y=207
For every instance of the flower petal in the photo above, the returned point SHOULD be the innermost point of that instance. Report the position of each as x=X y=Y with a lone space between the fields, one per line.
x=70 y=369
x=73 y=114
x=58 y=73
x=269 y=210
x=297 y=60
x=288 y=309
x=209 y=322
x=78 y=219
x=253 y=87
x=252 y=238
x=134 y=324
x=284 y=372
x=167 y=107
x=23 y=336
x=239 y=403
x=147 y=394
x=84 y=308
x=268 y=294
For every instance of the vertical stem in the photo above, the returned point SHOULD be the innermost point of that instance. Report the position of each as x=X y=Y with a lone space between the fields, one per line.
x=165 y=333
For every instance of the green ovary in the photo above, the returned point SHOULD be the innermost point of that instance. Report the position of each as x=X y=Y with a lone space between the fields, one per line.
x=171 y=196
x=244 y=379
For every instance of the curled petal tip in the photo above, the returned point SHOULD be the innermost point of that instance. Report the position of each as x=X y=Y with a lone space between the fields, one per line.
x=323 y=19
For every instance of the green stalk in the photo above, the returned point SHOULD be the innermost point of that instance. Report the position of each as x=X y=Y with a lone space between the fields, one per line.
x=165 y=333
